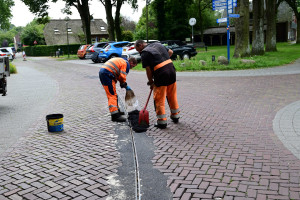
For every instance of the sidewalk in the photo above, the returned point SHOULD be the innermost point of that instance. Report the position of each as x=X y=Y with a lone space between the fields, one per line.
x=226 y=145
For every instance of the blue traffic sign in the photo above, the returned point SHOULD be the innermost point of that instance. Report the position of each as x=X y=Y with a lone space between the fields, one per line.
x=221 y=20
x=234 y=15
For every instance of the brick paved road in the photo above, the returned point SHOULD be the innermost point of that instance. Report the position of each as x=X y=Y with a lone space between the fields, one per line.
x=223 y=147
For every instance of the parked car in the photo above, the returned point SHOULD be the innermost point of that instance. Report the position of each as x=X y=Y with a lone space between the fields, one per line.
x=93 y=51
x=112 y=50
x=180 y=49
x=5 y=52
x=82 y=51
x=130 y=51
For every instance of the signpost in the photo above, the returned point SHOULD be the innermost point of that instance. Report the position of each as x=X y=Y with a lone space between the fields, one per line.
x=228 y=6
x=192 y=22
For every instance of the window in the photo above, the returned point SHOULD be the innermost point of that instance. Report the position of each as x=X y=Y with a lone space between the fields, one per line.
x=56 y=31
x=102 y=28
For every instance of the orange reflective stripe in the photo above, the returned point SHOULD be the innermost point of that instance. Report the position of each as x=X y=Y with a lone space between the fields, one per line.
x=162 y=64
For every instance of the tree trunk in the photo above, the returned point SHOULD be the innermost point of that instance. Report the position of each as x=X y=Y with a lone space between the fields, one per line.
x=118 y=20
x=159 y=6
x=84 y=13
x=242 y=47
x=200 y=20
x=258 y=27
x=271 y=15
x=110 y=20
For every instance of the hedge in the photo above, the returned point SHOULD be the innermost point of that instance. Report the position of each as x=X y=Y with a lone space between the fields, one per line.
x=44 y=50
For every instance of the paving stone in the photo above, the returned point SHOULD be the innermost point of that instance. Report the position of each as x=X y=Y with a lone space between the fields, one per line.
x=224 y=145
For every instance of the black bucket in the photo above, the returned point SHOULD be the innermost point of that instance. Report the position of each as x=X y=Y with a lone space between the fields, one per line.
x=55 y=122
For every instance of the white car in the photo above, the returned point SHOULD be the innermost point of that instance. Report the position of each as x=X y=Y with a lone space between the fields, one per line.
x=11 y=50
x=130 y=51
x=5 y=52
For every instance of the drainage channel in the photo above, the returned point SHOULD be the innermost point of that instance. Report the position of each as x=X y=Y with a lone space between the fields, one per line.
x=137 y=170
x=136 y=177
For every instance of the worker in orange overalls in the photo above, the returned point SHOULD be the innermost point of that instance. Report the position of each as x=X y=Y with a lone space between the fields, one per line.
x=161 y=76
x=115 y=69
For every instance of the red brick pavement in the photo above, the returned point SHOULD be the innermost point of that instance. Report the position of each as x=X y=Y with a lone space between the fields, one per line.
x=224 y=146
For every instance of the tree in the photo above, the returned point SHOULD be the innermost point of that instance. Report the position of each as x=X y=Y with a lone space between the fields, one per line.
x=33 y=32
x=83 y=8
x=109 y=18
x=140 y=31
x=114 y=25
x=40 y=8
x=271 y=15
x=201 y=10
x=242 y=47
x=295 y=4
x=177 y=19
x=159 y=8
x=127 y=24
x=258 y=27
x=9 y=35
x=5 y=13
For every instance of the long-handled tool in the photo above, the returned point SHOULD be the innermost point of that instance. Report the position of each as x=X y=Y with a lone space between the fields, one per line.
x=144 y=114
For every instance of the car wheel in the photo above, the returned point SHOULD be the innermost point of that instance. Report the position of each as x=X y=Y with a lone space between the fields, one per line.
x=95 y=60
x=185 y=56
x=113 y=56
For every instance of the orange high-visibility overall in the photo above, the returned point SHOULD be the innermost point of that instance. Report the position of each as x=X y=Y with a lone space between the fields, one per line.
x=115 y=69
x=164 y=80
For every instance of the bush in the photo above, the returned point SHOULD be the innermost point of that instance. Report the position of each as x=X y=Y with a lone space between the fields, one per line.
x=127 y=35
x=44 y=50
x=12 y=68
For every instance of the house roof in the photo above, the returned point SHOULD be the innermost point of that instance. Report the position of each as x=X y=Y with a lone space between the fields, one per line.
x=55 y=31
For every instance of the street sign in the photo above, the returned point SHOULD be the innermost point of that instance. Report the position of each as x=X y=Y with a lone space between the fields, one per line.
x=221 y=20
x=192 y=21
x=228 y=6
x=234 y=15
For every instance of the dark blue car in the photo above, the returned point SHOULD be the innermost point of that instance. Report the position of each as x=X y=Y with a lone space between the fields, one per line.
x=112 y=50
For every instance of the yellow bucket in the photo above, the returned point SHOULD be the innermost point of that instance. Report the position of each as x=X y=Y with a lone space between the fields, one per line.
x=55 y=122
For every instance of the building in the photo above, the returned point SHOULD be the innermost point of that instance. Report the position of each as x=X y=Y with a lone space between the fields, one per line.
x=285 y=28
x=55 y=31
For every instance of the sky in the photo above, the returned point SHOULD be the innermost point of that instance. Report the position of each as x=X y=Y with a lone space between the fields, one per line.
x=22 y=15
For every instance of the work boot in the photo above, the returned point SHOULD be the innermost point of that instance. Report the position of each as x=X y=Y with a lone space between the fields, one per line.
x=118 y=118
x=175 y=120
x=121 y=112
x=161 y=126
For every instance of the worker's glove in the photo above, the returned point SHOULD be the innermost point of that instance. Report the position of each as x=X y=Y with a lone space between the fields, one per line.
x=128 y=88
x=123 y=85
x=150 y=83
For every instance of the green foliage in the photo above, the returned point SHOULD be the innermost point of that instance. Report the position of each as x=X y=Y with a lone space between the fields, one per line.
x=127 y=35
x=33 y=32
x=284 y=55
x=141 y=28
x=43 y=50
x=104 y=40
x=7 y=36
x=12 y=68
x=5 y=13
x=168 y=19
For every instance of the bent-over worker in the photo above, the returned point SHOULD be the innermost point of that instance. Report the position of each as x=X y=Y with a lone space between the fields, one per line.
x=112 y=71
